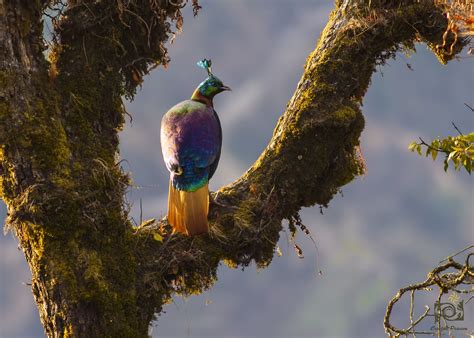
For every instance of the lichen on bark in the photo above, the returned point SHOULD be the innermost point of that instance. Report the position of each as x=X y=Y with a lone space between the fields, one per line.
x=93 y=274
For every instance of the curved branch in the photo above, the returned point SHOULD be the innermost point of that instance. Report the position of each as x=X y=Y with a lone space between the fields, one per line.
x=94 y=275
x=446 y=281
x=313 y=151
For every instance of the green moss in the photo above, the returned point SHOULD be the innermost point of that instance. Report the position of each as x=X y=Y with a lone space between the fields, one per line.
x=244 y=215
x=25 y=28
x=35 y=236
x=5 y=79
x=37 y=132
x=66 y=237
x=7 y=180
x=344 y=116
x=93 y=269
x=48 y=140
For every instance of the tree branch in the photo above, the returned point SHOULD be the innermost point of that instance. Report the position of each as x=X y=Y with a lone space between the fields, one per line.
x=33 y=155
x=441 y=276
x=310 y=156
x=124 y=38
x=59 y=124
x=94 y=275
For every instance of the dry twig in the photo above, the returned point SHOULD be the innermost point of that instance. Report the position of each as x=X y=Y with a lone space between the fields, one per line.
x=442 y=278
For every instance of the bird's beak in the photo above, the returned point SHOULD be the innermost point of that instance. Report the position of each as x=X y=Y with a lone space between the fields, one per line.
x=225 y=88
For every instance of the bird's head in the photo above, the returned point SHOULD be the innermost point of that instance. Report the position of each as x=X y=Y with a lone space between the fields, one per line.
x=211 y=86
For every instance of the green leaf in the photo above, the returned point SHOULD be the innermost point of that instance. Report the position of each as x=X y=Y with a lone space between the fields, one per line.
x=428 y=151
x=451 y=155
x=147 y=222
x=470 y=137
x=412 y=146
x=458 y=149
x=418 y=149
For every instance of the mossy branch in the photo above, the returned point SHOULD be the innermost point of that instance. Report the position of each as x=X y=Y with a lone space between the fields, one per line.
x=313 y=151
x=94 y=275
x=59 y=124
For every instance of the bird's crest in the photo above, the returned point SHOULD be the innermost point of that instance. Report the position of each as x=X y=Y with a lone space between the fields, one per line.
x=208 y=88
x=205 y=64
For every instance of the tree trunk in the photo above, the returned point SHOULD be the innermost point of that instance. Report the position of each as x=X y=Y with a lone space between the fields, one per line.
x=93 y=274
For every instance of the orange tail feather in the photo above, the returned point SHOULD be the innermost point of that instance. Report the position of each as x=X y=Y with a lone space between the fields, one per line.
x=187 y=211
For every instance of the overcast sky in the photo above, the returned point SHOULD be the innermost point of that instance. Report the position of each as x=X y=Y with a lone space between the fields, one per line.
x=387 y=230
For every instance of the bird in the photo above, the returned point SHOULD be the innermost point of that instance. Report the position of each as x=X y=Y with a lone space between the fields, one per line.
x=191 y=142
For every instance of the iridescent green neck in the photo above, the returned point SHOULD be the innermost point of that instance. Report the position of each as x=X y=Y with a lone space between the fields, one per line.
x=197 y=96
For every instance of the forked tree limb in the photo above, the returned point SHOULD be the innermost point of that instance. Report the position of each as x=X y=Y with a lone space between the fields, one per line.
x=93 y=273
x=312 y=152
